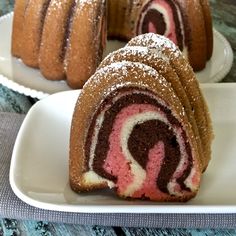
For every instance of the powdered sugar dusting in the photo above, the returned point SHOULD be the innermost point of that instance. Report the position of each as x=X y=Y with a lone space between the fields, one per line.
x=90 y=4
x=152 y=40
x=56 y=4
x=82 y=2
x=149 y=54
x=161 y=46
x=123 y=68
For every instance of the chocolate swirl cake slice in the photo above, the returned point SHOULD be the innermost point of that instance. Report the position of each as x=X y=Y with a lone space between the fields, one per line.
x=130 y=132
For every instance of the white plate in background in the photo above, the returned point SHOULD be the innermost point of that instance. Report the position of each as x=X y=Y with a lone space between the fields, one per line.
x=39 y=165
x=18 y=77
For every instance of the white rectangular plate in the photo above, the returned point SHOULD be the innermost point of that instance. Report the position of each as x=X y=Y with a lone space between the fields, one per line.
x=39 y=166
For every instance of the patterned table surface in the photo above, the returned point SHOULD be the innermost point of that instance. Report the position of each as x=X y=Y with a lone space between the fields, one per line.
x=224 y=19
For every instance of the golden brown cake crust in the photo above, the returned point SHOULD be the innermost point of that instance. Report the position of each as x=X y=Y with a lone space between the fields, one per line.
x=197 y=42
x=83 y=52
x=17 y=27
x=208 y=26
x=53 y=42
x=32 y=31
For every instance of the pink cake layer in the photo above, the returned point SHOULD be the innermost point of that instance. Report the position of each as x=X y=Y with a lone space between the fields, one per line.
x=117 y=164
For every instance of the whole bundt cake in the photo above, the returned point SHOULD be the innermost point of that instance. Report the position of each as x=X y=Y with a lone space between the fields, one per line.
x=65 y=39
